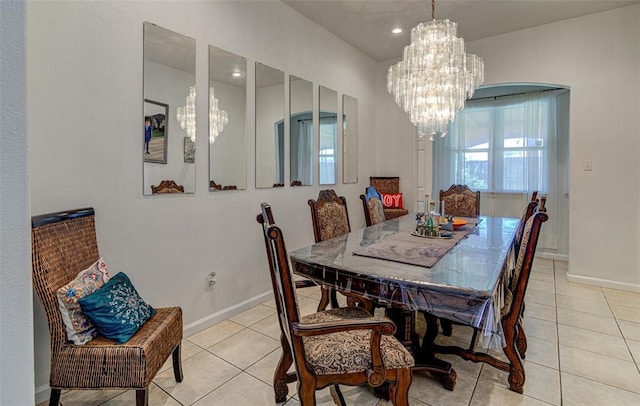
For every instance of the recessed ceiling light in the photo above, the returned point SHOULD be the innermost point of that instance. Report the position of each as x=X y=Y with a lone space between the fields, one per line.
x=396 y=30
x=236 y=74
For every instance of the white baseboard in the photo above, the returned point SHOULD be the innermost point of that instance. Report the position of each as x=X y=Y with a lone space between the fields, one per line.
x=551 y=255
x=224 y=314
x=43 y=392
x=603 y=283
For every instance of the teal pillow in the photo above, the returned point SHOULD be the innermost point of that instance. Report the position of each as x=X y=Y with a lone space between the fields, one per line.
x=116 y=309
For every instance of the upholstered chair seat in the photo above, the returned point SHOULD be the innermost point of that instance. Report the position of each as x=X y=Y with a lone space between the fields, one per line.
x=353 y=347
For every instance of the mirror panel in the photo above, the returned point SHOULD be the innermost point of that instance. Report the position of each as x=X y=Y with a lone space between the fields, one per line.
x=301 y=131
x=227 y=120
x=349 y=139
x=169 y=85
x=328 y=136
x=156 y=117
x=269 y=127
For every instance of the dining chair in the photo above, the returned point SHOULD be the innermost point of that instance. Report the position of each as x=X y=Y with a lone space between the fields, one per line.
x=461 y=201
x=344 y=346
x=63 y=245
x=330 y=219
x=532 y=206
x=388 y=185
x=511 y=311
x=528 y=211
x=372 y=205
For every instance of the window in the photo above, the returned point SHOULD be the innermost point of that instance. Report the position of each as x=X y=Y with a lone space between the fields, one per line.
x=499 y=145
x=327 y=154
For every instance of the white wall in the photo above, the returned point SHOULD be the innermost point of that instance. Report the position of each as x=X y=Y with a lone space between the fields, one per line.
x=596 y=56
x=85 y=103
x=395 y=140
x=16 y=325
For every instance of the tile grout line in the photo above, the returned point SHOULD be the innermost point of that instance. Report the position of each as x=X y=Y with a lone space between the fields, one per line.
x=622 y=333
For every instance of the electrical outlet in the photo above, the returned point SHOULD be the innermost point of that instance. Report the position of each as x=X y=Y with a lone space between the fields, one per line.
x=210 y=281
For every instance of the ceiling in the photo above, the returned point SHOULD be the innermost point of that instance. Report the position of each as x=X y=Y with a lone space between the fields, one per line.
x=367 y=24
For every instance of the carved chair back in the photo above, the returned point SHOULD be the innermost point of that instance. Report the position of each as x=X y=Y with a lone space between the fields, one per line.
x=329 y=215
x=385 y=184
x=372 y=205
x=281 y=279
x=167 y=186
x=461 y=201
x=524 y=262
x=527 y=212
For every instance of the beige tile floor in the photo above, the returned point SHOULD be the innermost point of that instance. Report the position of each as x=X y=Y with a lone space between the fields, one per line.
x=584 y=349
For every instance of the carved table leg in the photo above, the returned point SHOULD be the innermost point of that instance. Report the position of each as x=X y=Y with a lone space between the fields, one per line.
x=427 y=361
x=425 y=358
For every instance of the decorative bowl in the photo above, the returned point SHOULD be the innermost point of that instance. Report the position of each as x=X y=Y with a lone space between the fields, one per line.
x=458 y=223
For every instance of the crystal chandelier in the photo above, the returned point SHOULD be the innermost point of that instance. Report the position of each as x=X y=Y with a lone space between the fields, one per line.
x=217 y=118
x=186 y=114
x=435 y=76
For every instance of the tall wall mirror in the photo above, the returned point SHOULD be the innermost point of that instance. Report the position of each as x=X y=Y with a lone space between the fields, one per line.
x=270 y=139
x=349 y=139
x=168 y=110
x=227 y=120
x=301 y=131
x=328 y=136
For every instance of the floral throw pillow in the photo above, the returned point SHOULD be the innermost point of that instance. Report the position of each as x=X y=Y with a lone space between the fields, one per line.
x=117 y=310
x=79 y=329
x=392 y=200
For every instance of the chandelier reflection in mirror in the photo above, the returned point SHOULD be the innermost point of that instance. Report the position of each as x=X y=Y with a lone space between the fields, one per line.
x=217 y=118
x=186 y=114
x=435 y=76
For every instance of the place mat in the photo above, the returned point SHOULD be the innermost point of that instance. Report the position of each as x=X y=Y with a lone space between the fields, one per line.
x=409 y=249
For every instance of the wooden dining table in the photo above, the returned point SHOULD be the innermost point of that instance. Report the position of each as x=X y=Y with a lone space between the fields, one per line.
x=385 y=265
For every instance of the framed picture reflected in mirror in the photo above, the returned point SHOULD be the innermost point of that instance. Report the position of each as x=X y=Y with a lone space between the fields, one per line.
x=189 y=150
x=156 y=116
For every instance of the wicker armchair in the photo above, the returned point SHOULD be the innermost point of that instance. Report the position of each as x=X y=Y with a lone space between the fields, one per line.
x=388 y=185
x=338 y=346
x=64 y=244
